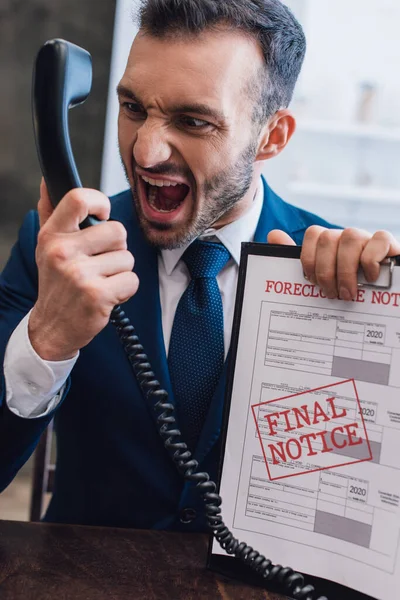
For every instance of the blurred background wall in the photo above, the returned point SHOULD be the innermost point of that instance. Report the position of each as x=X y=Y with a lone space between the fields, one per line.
x=24 y=27
x=344 y=160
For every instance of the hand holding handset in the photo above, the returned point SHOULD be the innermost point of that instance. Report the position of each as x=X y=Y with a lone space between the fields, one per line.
x=93 y=265
x=62 y=79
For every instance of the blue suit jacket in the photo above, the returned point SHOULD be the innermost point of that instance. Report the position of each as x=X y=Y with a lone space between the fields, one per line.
x=112 y=468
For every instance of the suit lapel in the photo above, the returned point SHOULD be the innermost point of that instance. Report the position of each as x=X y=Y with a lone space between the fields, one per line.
x=277 y=214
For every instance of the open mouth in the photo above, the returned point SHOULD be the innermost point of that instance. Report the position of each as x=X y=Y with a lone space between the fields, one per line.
x=164 y=197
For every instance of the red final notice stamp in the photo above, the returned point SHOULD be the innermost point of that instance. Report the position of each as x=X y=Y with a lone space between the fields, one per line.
x=312 y=430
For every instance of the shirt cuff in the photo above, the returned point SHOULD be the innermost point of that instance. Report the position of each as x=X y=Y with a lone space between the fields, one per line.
x=34 y=387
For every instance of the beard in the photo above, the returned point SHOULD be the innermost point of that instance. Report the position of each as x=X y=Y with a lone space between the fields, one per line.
x=221 y=194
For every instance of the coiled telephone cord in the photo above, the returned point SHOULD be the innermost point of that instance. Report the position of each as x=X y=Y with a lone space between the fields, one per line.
x=290 y=582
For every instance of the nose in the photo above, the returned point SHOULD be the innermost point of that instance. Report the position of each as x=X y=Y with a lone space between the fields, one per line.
x=151 y=147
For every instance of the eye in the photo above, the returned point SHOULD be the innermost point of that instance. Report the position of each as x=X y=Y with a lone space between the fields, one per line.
x=133 y=108
x=193 y=123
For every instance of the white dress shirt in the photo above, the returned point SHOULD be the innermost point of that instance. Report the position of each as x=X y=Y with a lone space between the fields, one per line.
x=34 y=387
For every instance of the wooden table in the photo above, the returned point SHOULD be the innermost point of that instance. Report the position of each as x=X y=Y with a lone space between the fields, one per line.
x=66 y=562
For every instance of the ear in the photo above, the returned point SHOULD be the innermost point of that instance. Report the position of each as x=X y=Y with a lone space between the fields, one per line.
x=276 y=134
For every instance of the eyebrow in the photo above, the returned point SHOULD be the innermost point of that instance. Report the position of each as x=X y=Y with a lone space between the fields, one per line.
x=198 y=107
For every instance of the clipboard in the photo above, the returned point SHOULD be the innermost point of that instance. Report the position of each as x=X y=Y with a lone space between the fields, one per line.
x=228 y=565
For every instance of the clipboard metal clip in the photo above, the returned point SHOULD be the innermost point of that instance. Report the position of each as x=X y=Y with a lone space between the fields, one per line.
x=385 y=279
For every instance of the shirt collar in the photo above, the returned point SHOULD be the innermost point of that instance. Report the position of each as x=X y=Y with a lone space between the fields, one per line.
x=231 y=236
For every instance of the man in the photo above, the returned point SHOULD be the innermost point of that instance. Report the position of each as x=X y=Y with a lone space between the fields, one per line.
x=203 y=102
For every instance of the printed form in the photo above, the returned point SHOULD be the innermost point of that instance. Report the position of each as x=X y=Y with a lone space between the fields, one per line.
x=311 y=473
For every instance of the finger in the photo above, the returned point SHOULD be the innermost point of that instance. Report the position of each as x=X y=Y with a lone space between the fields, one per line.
x=325 y=261
x=280 y=237
x=109 y=264
x=351 y=246
x=75 y=207
x=104 y=237
x=308 y=251
x=121 y=287
x=45 y=208
x=380 y=246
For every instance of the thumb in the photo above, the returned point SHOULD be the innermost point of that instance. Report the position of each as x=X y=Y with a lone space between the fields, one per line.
x=45 y=208
x=280 y=237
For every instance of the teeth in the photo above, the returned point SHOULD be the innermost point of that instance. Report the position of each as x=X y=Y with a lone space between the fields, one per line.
x=159 y=183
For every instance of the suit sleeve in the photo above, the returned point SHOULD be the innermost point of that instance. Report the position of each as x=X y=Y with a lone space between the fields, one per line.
x=18 y=293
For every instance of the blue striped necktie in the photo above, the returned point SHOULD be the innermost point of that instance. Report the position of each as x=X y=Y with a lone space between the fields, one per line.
x=196 y=350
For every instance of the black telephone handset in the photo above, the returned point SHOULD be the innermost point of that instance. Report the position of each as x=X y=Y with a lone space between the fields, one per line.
x=62 y=79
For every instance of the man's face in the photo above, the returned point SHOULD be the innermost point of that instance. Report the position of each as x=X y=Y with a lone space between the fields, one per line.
x=186 y=136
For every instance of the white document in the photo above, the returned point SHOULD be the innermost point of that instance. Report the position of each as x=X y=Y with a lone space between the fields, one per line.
x=311 y=471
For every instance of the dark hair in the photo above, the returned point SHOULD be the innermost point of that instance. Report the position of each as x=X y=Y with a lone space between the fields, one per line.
x=270 y=22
